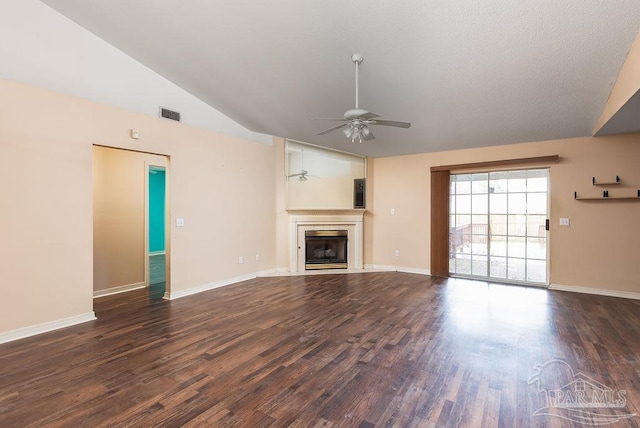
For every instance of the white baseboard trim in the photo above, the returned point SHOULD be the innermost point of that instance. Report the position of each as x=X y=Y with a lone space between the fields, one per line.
x=271 y=272
x=172 y=295
x=116 y=290
x=414 y=270
x=596 y=291
x=21 y=333
x=382 y=267
x=399 y=269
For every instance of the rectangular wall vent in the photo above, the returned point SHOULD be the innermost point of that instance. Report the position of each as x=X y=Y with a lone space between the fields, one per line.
x=169 y=114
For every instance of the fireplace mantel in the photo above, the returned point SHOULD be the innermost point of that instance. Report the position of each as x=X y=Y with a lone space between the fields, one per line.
x=325 y=211
x=319 y=219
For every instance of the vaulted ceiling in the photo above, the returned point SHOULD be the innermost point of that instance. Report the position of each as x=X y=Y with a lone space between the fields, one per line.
x=465 y=74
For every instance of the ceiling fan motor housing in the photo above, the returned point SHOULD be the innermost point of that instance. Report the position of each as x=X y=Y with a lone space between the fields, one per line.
x=355 y=113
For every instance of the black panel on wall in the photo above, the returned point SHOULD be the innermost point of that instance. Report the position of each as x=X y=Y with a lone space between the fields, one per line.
x=359 y=191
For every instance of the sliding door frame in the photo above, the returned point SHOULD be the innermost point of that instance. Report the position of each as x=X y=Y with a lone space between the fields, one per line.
x=440 y=176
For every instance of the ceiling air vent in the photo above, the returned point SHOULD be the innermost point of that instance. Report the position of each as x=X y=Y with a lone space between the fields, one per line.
x=169 y=114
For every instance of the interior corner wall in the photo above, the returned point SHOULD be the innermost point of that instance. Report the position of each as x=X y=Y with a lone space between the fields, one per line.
x=119 y=216
x=282 y=216
x=368 y=217
x=626 y=86
x=599 y=248
x=223 y=186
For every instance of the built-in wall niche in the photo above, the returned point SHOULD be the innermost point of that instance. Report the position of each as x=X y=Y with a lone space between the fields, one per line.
x=320 y=178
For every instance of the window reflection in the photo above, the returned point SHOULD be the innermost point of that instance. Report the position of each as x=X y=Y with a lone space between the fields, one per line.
x=321 y=178
x=476 y=306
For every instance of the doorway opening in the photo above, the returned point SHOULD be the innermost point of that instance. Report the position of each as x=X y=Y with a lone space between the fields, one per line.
x=122 y=241
x=498 y=227
x=156 y=221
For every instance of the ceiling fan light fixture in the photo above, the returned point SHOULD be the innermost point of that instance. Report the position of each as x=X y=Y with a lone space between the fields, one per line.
x=356 y=134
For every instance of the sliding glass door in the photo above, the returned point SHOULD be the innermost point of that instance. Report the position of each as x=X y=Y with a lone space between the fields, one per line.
x=497 y=226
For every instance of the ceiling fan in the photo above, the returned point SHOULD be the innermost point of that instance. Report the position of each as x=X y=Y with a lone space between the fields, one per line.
x=358 y=120
x=302 y=175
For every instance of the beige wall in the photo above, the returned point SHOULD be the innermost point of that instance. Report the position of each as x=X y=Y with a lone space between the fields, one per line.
x=119 y=216
x=598 y=250
x=222 y=186
x=46 y=227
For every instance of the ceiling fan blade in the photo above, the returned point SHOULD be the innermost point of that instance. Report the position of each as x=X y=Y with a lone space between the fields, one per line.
x=341 y=119
x=326 y=131
x=391 y=123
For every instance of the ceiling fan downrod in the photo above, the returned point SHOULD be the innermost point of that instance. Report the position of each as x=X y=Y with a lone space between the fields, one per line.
x=357 y=59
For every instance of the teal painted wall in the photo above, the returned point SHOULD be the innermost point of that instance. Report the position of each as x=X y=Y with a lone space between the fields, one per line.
x=156 y=210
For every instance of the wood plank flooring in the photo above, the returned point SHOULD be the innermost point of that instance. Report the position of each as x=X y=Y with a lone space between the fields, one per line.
x=157 y=269
x=356 y=350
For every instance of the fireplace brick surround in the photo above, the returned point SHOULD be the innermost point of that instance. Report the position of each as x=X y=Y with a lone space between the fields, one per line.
x=301 y=221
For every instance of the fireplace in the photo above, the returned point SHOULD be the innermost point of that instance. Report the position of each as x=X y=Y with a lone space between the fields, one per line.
x=347 y=221
x=325 y=249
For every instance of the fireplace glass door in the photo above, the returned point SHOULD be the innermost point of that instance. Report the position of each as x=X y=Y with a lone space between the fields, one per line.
x=325 y=249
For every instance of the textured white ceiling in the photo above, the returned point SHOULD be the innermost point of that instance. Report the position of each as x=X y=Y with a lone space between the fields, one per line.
x=466 y=74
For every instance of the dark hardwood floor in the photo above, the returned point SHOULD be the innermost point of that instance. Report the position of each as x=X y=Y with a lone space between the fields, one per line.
x=157 y=269
x=358 y=350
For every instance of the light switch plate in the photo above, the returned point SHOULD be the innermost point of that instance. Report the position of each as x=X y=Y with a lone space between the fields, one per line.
x=564 y=221
x=179 y=222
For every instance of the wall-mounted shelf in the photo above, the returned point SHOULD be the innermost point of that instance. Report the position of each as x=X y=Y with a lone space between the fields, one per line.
x=605 y=183
x=605 y=193
x=605 y=196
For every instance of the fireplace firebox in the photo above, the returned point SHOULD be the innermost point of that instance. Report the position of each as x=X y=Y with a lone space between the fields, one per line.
x=325 y=249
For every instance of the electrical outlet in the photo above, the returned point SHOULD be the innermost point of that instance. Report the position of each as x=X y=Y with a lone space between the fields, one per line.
x=180 y=222
x=257 y=257
x=240 y=259
x=393 y=211
x=397 y=253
